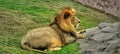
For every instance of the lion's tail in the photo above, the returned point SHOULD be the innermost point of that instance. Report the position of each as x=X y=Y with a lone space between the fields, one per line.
x=28 y=48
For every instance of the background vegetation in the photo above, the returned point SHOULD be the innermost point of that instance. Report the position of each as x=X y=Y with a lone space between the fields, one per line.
x=19 y=16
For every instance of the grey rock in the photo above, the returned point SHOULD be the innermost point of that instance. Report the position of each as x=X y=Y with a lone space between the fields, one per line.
x=118 y=35
x=104 y=24
x=102 y=39
x=112 y=44
x=88 y=52
x=85 y=46
x=102 y=53
x=109 y=29
x=115 y=27
x=103 y=36
x=91 y=30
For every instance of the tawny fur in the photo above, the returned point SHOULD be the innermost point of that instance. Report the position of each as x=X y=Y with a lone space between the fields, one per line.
x=59 y=33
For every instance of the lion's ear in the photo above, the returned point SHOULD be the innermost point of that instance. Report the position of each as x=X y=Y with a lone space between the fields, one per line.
x=66 y=15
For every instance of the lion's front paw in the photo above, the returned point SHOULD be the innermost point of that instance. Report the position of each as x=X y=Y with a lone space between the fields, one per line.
x=80 y=34
x=81 y=31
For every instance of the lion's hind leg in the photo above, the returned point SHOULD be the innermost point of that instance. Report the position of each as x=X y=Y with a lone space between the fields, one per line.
x=24 y=46
x=54 y=48
x=55 y=44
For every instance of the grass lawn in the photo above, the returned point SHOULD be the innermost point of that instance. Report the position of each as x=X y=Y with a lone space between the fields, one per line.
x=19 y=16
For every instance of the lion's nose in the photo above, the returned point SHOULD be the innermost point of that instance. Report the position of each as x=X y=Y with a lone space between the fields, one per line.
x=79 y=21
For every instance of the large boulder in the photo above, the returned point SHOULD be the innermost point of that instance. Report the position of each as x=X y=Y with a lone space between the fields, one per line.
x=102 y=39
x=109 y=6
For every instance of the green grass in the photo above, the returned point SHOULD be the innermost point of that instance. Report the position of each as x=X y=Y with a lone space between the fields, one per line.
x=19 y=16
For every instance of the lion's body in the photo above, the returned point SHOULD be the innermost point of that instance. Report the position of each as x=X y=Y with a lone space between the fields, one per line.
x=60 y=32
x=48 y=38
x=44 y=34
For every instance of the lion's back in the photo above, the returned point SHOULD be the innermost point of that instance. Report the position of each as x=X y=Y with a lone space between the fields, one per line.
x=37 y=37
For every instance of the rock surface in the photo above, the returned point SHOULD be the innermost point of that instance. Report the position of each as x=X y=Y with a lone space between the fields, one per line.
x=102 y=39
x=109 y=6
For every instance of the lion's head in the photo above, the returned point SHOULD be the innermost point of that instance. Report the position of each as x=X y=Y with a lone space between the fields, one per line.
x=75 y=21
x=66 y=19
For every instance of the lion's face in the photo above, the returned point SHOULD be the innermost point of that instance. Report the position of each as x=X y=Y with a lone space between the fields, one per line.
x=75 y=21
x=66 y=20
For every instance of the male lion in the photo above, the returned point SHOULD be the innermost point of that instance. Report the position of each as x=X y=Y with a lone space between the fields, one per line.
x=59 y=33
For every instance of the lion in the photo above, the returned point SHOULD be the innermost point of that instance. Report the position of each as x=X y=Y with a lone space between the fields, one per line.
x=61 y=31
